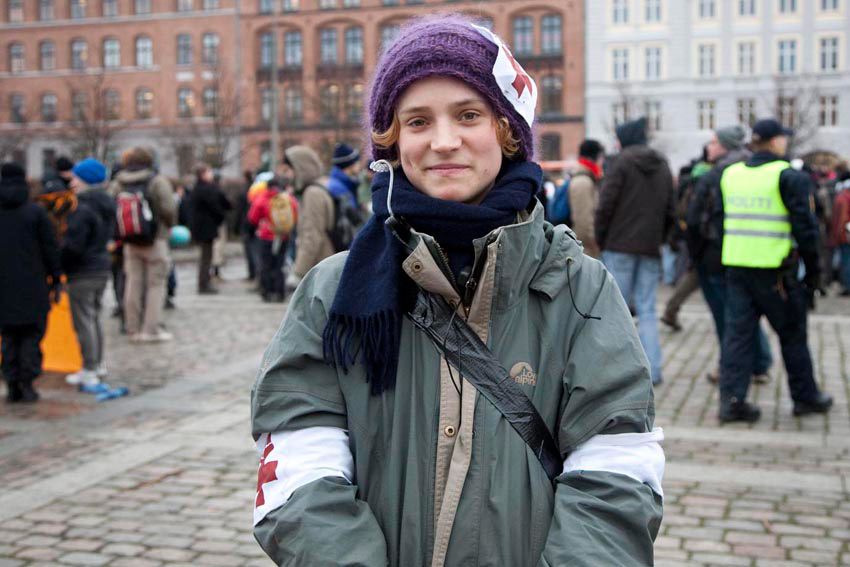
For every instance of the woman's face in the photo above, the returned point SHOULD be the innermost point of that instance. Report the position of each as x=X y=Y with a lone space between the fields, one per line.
x=447 y=141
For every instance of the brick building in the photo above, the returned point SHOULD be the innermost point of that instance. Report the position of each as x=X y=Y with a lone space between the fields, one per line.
x=193 y=78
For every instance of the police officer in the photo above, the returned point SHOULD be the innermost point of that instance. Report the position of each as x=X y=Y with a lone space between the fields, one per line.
x=766 y=211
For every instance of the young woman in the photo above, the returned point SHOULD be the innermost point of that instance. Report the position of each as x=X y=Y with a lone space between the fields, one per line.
x=375 y=450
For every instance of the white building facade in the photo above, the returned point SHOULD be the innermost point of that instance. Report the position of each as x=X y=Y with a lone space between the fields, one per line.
x=691 y=66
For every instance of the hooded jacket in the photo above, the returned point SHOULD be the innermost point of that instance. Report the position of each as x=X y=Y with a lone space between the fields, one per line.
x=208 y=208
x=90 y=227
x=28 y=256
x=160 y=193
x=316 y=207
x=430 y=473
x=636 y=204
x=340 y=184
x=584 y=200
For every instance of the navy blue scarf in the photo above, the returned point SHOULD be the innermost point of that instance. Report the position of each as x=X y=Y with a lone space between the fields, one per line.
x=364 y=324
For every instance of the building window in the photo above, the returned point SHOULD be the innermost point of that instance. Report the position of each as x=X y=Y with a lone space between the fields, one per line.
x=390 y=2
x=184 y=49
x=523 y=35
x=267 y=6
x=48 y=107
x=620 y=59
x=354 y=45
x=111 y=53
x=16 y=108
x=354 y=3
x=829 y=54
x=144 y=52
x=292 y=44
x=211 y=5
x=747 y=58
x=210 y=96
x=389 y=32
x=267 y=50
x=620 y=112
x=707 y=60
x=746 y=112
x=294 y=104
x=788 y=56
x=16 y=11
x=290 y=5
x=79 y=54
x=266 y=104
x=78 y=106
x=787 y=6
x=78 y=9
x=47 y=52
x=707 y=9
x=327 y=45
x=109 y=8
x=653 y=11
x=550 y=147
x=706 y=110
x=45 y=10
x=16 y=58
x=327 y=4
x=329 y=104
x=828 y=5
x=828 y=111
x=185 y=102
x=185 y=5
x=550 y=34
x=144 y=103
x=354 y=102
x=653 y=63
x=142 y=7
x=112 y=104
x=747 y=8
x=551 y=88
x=652 y=111
x=787 y=106
x=209 y=48
x=620 y=11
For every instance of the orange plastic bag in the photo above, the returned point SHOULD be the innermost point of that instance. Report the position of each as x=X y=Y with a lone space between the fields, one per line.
x=60 y=346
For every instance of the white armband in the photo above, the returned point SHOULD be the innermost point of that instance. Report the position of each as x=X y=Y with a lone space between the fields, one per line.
x=636 y=455
x=291 y=459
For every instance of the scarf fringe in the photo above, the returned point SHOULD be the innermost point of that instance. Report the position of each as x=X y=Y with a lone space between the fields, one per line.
x=370 y=339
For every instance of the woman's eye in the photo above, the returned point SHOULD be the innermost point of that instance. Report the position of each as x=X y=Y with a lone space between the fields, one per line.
x=470 y=115
x=416 y=123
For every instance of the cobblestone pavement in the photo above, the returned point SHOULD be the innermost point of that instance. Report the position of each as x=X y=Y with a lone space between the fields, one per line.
x=166 y=476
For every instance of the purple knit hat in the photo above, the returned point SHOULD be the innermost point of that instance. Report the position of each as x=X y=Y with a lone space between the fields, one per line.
x=442 y=45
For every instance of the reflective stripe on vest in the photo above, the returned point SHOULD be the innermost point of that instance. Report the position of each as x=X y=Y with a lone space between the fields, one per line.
x=756 y=225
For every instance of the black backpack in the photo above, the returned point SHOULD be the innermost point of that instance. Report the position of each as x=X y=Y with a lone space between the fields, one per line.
x=347 y=222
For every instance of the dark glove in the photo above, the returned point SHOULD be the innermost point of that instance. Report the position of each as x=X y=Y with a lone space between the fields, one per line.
x=812 y=279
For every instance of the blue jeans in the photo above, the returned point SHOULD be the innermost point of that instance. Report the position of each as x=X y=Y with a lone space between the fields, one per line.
x=668 y=264
x=714 y=289
x=637 y=277
x=845 y=266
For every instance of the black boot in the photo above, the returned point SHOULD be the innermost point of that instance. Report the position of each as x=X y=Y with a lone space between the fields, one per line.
x=13 y=392
x=733 y=409
x=820 y=404
x=28 y=393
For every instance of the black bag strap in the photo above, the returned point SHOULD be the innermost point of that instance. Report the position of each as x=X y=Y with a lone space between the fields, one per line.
x=464 y=350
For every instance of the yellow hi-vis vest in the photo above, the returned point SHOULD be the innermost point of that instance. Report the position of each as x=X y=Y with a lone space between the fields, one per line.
x=756 y=226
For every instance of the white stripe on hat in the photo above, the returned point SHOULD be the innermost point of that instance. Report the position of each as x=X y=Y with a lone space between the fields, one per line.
x=516 y=85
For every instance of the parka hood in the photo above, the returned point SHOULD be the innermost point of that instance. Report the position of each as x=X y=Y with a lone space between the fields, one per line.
x=14 y=192
x=95 y=197
x=643 y=158
x=126 y=176
x=306 y=165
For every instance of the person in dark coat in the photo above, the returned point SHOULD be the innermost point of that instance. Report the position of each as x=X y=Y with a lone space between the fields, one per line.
x=245 y=229
x=85 y=259
x=30 y=273
x=208 y=209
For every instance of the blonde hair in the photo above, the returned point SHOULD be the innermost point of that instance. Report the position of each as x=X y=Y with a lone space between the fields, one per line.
x=388 y=139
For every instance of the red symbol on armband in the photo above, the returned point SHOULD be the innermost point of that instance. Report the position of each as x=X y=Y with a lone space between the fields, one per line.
x=267 y=474
x=522 y=81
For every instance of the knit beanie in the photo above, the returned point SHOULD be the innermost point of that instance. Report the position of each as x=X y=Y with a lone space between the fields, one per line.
x=11 y=170
x=345 y=155
x=446 y=46
x=731 y=137
x=90 y=170
x=63 y=164
x=632 y=133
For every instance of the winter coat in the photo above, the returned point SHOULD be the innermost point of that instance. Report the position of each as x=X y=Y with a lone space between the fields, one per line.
x=438 y=477
x=29 y=255
x=340 y=184
x=208 y=208
x=90 y=227
x=316 y=207
x=636 y=204
x=584 y=199
x=260 y=214
x=162 y=199
x=840 y=218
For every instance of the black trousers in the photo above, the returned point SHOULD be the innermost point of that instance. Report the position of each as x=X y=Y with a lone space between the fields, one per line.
x=249 y=244
x=751 y=293
x=271 y=267
x=205 y=265
x=21 y=351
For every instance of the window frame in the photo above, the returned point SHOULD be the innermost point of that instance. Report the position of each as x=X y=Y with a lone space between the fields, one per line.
x=105 y=53
x=523 y=37
x=353 y=40
x=44 y=58
x=143 y=50
x=79 y=57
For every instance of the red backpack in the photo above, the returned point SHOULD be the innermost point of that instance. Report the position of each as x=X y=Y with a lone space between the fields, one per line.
x=136 y=222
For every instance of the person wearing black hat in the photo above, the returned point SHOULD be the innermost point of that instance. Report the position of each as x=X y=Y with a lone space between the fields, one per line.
x=768 y=227
x=30 y=273
x=60 y=180
x=343 y=180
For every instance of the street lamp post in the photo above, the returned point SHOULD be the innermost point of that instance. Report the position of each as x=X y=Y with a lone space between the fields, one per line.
x=275 y=133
